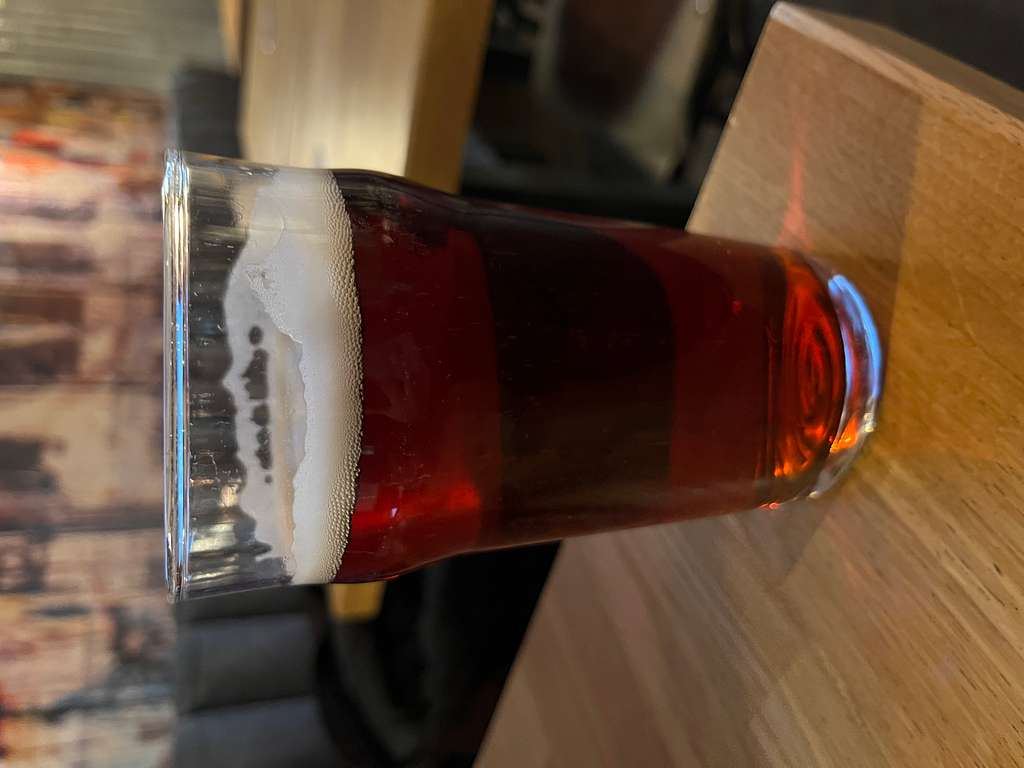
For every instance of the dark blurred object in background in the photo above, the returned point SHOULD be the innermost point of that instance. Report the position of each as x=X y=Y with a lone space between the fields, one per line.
x=615 y=109
x=417 y=685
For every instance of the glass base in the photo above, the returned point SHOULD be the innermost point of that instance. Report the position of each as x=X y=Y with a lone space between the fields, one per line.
x=864 y=366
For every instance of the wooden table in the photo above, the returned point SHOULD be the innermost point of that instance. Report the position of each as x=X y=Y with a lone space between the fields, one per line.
x=882 y=625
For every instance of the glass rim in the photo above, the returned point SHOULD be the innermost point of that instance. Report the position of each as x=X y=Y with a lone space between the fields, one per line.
x=208 y=548
x=175 y=307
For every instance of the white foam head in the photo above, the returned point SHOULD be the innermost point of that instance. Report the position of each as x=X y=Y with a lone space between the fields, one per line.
x=295 y=282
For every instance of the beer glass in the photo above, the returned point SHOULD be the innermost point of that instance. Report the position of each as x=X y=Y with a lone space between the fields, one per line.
x=364 y=375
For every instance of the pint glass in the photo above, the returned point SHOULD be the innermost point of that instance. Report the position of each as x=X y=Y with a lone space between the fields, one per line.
x=364 y=375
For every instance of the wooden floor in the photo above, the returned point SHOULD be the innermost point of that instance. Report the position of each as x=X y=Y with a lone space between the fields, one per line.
x=86 y=634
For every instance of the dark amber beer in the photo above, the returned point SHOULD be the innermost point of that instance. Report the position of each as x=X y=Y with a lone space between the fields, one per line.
x=365 y=375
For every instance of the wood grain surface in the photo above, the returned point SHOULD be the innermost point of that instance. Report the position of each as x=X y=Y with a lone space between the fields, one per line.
x=881 y=625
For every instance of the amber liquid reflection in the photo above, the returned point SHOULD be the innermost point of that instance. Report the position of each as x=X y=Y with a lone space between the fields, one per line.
x=530 y=377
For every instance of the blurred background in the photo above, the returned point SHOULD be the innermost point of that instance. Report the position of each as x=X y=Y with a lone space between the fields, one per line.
x=591 y=106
